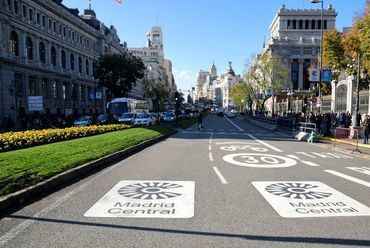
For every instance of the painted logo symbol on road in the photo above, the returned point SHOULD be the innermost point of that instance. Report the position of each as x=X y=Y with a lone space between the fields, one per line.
x=296 y=191
x=259 y=160
x=149 y=190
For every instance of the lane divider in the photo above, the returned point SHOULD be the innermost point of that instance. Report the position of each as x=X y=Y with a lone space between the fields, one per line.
x=352 y=179
x=220 y=176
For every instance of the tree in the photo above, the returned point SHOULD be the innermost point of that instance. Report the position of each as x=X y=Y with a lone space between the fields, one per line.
x=240 y=92
x=119 y=72
x=333 y=50
x=267 y=71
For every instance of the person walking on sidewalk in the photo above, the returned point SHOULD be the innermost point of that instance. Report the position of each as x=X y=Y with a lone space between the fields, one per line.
x=200 y=121
x=366 y=124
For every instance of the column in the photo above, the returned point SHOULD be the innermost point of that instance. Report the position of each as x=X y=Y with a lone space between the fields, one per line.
x=349 y=95
x=300 y=74
x=333 y=95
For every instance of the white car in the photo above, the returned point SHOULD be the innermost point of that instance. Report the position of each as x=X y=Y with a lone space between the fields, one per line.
x=145 y=119
x=229 y=114
x=127 y=118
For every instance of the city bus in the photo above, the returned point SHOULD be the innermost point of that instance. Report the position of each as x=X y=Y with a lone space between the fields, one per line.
x=118 y=106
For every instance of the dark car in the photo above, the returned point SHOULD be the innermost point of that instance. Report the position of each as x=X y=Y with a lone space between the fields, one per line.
x=106 y=119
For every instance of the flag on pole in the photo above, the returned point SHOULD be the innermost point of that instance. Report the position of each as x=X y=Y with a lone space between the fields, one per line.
x=119 y=1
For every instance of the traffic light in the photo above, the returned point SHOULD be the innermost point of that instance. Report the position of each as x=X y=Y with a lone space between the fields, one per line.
x=304 y=107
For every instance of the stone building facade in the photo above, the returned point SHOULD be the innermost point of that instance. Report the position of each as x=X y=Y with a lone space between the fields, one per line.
x=48 y=52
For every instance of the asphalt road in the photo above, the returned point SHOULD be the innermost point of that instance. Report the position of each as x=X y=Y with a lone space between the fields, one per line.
x=231 y=184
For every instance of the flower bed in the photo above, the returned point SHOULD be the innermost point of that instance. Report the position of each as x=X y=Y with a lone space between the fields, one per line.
x=19 y=140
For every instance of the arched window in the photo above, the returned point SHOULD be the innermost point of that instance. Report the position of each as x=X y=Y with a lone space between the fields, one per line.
x=14 y=43
x=87 y=67
x=63 y=59
x=79 y=64
x=42 y=52
x=72 y=61
x=313 y=24
x=307 y=24
x=29 y=48
x=53 y=56
x=300 y=24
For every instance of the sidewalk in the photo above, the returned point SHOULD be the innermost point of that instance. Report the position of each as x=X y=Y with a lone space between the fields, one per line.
x=364 y=148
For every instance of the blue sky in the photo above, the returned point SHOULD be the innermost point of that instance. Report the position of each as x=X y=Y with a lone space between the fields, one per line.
x=198 y=32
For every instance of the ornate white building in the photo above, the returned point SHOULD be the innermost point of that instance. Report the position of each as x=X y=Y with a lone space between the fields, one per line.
x=48 y=52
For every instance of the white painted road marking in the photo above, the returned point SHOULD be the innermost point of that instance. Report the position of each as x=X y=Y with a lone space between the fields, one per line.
x=210 y=156
x=239 y=128
x=265 y=144
x=303 y=161
x=220 y=176
x=353 y=179
x=146 y=199
x=302 y=199
x=259 y=160
x=364 y=170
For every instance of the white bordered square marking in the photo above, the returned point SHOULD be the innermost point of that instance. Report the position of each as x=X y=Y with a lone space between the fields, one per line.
x=146 y=199
x=297 y=199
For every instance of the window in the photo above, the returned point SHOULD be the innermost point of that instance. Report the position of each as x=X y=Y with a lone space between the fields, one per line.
x=60 y=29
x=43 y=18
x=55 y=90
x=319 y=24
x=72 y=61
x=54 y=26
x=24 y=9
x=49 y=23
x=16 y=7
x=313 y=24
x=300 y=24
x=325 y=24
x=289 y=24
x=294 y=24
x=29 y=48
x=79 y=64
x=87 y=67
x=14 y=43
x=294 y=73
x=53 y=56
x=9 y=6
x=42 y=52
x=38 y=18
x=64 y=31
x=307 y=24
x=63 y=59
x=30 y=14
x=44 y=86
x=32 y=86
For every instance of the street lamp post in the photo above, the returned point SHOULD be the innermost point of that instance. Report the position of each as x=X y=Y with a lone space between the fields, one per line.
x=321 y=45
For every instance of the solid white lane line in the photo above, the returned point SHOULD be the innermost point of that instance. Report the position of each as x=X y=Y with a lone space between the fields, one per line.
x=265 y=144
x=303 y=161
x=240 y=129
x=220 y=176
x=210 y=156
x=353 y=179
x=210 y=147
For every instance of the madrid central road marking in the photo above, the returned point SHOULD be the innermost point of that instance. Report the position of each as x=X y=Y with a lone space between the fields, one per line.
x=303 y=199
x=146 y=199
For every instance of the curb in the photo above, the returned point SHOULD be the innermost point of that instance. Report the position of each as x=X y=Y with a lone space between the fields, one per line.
x=22 y=196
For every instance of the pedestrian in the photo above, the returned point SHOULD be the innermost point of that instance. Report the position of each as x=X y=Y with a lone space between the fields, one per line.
x=200 y=121
x=366 y=124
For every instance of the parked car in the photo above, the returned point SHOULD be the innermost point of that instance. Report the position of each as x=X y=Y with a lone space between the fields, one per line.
x=146 y=119
x=127 y=118
x=83 y=121
x=169 y=117
x=105 y=119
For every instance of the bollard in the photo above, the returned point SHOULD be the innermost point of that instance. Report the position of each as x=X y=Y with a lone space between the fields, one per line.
x=312 y=137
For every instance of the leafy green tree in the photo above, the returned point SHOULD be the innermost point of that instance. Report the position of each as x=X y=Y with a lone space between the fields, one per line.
x=119 y=73
x=240 y=93
x=333 y=50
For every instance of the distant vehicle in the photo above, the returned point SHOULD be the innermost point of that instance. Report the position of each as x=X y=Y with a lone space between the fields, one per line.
x=106 y=119
x=83 y=121
x=145 y=119
x=229 y=114
x=127 y=118
x=169 y=117
x=118 y=106
x=220 y=112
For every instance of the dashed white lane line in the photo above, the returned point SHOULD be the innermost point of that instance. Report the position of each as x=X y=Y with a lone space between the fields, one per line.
x=352 y=179
x=265 y=144
x=303 y=161
x=210 y=147
x=210 y=156
x=220 y=176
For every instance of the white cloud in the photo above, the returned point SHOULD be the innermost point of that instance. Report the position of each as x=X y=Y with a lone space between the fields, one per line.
x=184 y=79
